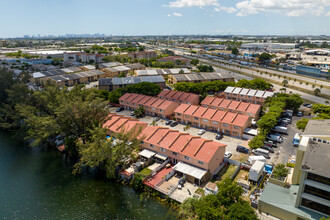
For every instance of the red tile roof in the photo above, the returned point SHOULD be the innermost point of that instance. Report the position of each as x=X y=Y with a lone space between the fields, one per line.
x=179 y=96
x=231 y=105
x=181 y=143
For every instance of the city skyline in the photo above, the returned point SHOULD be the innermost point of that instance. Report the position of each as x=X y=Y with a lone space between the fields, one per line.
x=166 y=17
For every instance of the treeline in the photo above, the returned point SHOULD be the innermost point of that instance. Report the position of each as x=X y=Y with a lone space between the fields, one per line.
x=144 y=88
x=275 y=106
x=217 y=86
x=321 y=111
x=19 y=54
x=42 y=117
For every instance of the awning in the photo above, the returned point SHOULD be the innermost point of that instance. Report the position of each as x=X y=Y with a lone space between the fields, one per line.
x=147 y=153
x=250 y=131
x=190 y=170
x=161 y=156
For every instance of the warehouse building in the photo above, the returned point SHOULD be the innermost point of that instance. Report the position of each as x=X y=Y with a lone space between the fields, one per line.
x=162 y=72
x=201 y=77
x=110 y=84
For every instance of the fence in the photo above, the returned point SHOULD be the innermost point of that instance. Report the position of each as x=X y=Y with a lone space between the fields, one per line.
x=160 y=167
x=218 y=170
x=236 y=171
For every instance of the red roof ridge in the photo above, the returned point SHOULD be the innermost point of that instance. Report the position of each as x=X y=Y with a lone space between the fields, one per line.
x=204 y=112
x=126 y=120
x=212 y=100
x=153 y=133
x=186 y=144
x=224 y=115
x=229 y=103
x=176 y=138
x=200 y=146
x=213 y=113
x=195 y=110
x=247 y=107
x=234 y=118
x=115 y=121
x=168 y=131
x=163 y=100
x=221 y=102
x=239 y=103
x=186 y=108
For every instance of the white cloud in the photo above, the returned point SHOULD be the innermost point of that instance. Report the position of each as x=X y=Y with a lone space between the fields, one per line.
x=328 y=13
x=226 y=9
x=177 y=14
x=193 y=3
x=288 y=7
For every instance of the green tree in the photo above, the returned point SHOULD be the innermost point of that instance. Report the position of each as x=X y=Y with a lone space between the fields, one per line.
x=139 y=112
x=181 y=71
x=280 y=171
x=194 y=62
x=108 y=155
x=285 y=82
x=257 y=141
x=234 y=51
x=302 y=123
x=317 y=91
x=264 y=57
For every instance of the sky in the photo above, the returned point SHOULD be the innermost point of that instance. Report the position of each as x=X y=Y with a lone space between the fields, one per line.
x=164 y=17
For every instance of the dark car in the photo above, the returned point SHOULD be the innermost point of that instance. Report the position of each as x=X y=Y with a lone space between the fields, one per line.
x=269 y=148
x=168 y=122
x=219 y=136
x=270 y=143
x=305 y=104
x=174 y=123
x=120 y=109
x=242 y=149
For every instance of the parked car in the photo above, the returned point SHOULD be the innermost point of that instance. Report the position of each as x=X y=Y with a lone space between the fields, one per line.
x=228 y=154
x=270 y=143
x=259 y=153
x=168 y=122
x=132 y=113
x=242 y=149
x=288 y=120
x=156 y=119
x=269 y=148
x=305 y=104
x=174 y=123
x=299 y=114
x=119 y=109
x=275 y=137
x=201 y=132
x=219 y=136
x=309 y=106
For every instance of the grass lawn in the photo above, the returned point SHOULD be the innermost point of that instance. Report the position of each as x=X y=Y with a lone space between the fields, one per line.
x=226 y=172
x=145 y=172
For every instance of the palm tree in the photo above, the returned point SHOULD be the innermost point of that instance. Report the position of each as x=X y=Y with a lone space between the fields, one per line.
x=313 y=86
x=317 y=91
x=326 y=102
x=321 y=86
x=285 y=82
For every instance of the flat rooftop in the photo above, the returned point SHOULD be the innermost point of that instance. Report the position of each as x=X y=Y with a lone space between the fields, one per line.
x=316 y=159
x=285 y=199
x=318 y=128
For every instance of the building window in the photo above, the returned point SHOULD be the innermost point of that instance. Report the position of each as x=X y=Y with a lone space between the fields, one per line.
x=227 y=131
x=215 y=122
x=122 y=101
x=127 y=103
x=196 y=118
x=152 y=146
x=187 y=116
x=187 y=158
x=317 y=178
x=178 y=114
x=250 y=114
x=205 y=106
x=154 y=109
x=200 y=162
x=225 y=125
x=205 y=120
x=142 y=142
x=162 y=149
x=161 y=110
x=174 y=153
x=317 y=192
x=315 y=206
x=235 y=133
x=236 y=127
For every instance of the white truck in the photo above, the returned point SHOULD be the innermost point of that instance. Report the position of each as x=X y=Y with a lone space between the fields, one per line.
x=280 y=129
x=256 y=171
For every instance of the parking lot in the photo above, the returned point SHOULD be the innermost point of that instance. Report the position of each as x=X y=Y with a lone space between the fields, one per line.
x=231 y=142
x=286 y=148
